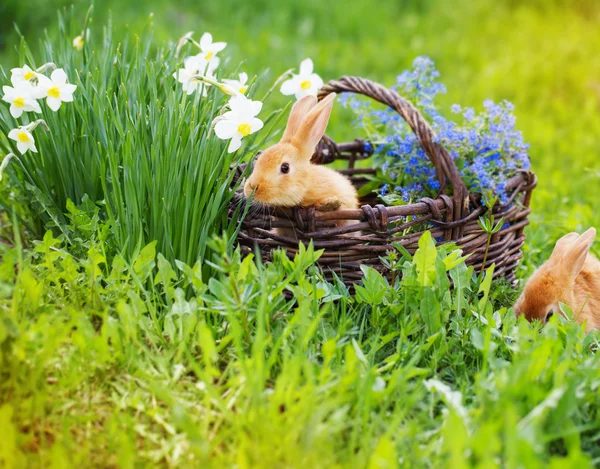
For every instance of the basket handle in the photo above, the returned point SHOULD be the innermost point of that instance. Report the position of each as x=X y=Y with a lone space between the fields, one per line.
x=445 y=168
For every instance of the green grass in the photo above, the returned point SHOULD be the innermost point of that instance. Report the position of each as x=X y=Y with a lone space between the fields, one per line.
x=133 y=360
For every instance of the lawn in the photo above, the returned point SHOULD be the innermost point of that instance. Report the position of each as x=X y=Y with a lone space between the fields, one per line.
x=133 y=334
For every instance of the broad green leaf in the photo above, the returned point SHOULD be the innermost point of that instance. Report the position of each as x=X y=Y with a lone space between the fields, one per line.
x=453 y=259
x=166 y=276
x=461 y=277
x=430 y=311
x=373 y=288
x=144 y=262
x=424 y=259
x=485 y=287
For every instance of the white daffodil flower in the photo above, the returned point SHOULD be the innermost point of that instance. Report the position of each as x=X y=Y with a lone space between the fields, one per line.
x=21 y=99
x=188 y=76
x=19 y=75
x=209 y=48
x=55 y=89
x=238 y=85
x=24 y=140
x=305 y=83
x=239 y=122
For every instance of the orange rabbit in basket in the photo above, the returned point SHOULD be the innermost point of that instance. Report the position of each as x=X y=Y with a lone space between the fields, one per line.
x=283 y=175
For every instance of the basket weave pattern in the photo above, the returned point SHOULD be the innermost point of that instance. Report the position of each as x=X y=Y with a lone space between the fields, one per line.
x=450 y=218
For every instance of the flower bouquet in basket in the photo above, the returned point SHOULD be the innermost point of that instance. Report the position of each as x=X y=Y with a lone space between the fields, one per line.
x=467 y=182
x=486 y=147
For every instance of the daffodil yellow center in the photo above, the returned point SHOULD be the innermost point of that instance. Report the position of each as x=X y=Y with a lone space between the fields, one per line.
x=243 y=89
x=29 y=75
x=19 y=102
x=209 y=55
x=305 y=84
x=244 y=129
x=54 y=92
x=22 y=136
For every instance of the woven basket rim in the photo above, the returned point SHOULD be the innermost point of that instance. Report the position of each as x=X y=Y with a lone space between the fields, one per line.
x=525 y=178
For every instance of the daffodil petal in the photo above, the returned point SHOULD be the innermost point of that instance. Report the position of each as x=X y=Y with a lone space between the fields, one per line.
x=32 y=147
x=239 y=104
x=9 y=92
x=289 y=87
x=225 y=129
x=16 y=79
x=69 y=88
x=233 y=83
x=230 y=116
x=205 y=41
x=41 y=90
x=255 y=125
x=66 y=93
x=316 y=81
x=59 y=76
x=13 y=134
x=306 y=67
x=193 y=62
x=213 y=64
x=243 y=78
x=313 y=90
x=34 y=106
x=66 y=97
x=53 y=103
x=256 y=107
x=302 y=93
x=235 y=144
x=182 y=76
x=15 y=111
x=22 y=147
x=217 y=46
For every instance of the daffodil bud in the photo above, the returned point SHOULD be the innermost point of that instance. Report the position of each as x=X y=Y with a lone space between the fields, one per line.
x=5 y=161
x=45 y=67
x=239 y=86
x=31 y=127
x=78 y=43
x=227 y=89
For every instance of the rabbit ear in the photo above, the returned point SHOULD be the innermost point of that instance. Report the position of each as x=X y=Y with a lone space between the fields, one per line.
x=299 y=111
x=313 y=127
x=575 y=254
x=562 y=245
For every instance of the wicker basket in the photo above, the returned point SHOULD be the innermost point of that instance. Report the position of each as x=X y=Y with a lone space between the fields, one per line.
x=450 y=218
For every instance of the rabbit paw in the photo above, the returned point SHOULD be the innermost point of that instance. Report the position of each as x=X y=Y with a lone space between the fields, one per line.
x=330 y=205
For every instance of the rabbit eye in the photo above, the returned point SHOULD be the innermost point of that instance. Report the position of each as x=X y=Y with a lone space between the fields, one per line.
x=549 y=314
x=285 y=168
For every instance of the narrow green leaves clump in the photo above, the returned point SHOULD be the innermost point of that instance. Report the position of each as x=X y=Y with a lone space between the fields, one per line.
x=133 y=143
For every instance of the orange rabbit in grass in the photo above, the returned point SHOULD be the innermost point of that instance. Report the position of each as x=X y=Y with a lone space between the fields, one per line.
x=571 y=276
x=283 y=175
